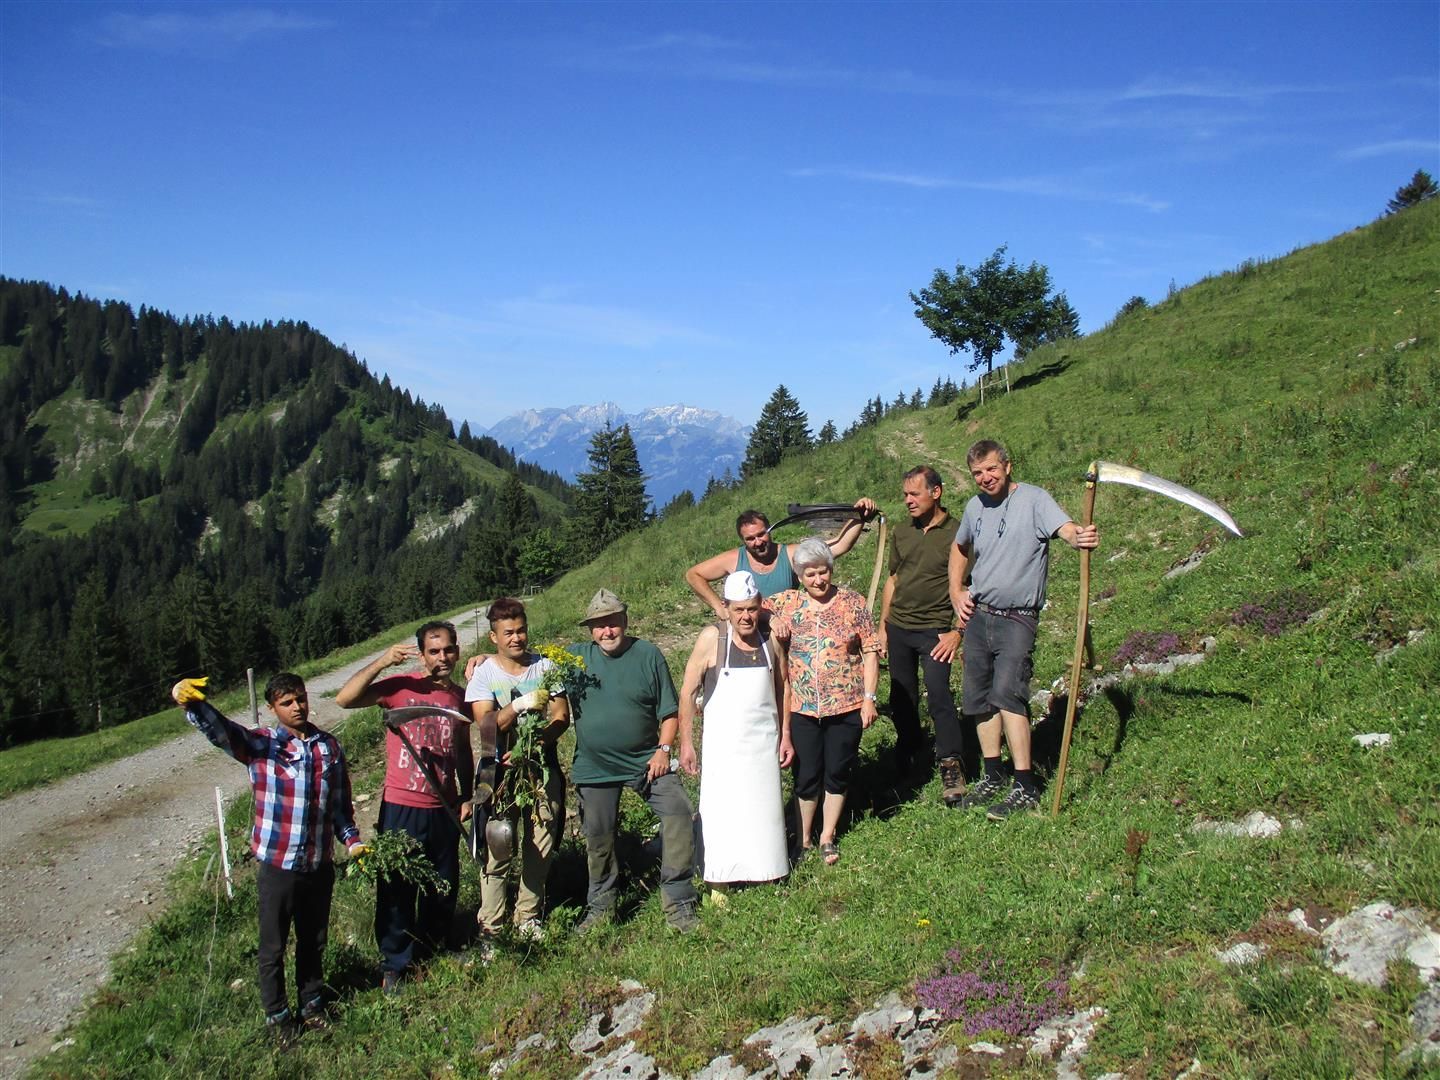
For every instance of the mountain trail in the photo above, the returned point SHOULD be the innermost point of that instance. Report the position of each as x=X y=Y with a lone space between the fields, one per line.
x=908 y=446
x=86 y=860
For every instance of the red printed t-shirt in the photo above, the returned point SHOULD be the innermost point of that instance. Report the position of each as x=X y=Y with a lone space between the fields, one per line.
x=441 y=740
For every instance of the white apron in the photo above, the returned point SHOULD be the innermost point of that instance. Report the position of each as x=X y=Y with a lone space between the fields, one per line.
x=741 y=820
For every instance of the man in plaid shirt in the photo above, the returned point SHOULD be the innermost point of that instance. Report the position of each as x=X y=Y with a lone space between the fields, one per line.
x=302 y=803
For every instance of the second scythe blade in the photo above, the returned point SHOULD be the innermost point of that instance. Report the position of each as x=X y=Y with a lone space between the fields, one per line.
x=1107 y=472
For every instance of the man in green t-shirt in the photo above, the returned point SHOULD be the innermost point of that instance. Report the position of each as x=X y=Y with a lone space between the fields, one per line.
x=626 y=718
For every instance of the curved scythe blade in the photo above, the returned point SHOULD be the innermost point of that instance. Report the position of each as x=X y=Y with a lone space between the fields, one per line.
x=1107 y=472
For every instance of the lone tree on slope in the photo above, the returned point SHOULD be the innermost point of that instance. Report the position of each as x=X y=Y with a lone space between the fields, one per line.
x=1421 y=187
x=979 y=309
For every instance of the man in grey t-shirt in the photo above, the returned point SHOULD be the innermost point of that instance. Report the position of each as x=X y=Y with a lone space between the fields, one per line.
x=998 y=569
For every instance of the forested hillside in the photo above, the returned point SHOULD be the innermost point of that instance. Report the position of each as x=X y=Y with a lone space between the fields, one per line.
x=195 y=494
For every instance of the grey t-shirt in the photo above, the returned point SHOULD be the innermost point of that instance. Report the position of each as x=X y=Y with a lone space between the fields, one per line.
x=1009 y=545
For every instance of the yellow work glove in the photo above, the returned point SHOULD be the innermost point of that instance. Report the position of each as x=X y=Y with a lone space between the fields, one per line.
x=188 y=690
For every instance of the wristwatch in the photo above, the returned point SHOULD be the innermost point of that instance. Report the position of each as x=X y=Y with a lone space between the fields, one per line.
x=667 y=748
x=870 y=695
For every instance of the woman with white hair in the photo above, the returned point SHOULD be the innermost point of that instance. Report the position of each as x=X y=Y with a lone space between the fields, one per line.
x=833 y=659
x=733 y=669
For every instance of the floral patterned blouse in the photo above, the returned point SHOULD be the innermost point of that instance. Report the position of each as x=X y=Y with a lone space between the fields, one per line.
x=827 y=647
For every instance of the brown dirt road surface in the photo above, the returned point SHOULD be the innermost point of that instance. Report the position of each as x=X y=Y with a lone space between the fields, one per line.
x=83 y=864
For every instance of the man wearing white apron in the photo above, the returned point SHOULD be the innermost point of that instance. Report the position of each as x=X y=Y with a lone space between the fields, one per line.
x=734 y=670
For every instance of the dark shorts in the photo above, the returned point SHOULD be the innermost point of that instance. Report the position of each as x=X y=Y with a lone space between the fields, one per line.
x=998 y=664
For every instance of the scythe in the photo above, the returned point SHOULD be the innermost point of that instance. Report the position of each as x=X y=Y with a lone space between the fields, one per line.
x=393 y=719
x=1106 y=472
x=823 y=514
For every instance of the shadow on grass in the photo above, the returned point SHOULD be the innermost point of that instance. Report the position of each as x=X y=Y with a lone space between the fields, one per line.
x=1126 y=700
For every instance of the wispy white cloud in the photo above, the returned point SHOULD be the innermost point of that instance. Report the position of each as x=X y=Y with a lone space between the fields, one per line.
x=546 y=316
x=200 y=27
x=684 y=40
x=1039 y=187
x=1392 y=148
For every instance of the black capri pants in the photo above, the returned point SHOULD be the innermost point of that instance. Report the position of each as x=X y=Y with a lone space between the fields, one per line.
x=825 y=748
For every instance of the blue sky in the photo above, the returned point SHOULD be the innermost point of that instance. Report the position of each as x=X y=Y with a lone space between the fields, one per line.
x=530 y=205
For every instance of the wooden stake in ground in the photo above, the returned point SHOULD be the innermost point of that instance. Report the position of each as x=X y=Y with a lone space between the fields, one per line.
x=1108 y=472
x=224 y=845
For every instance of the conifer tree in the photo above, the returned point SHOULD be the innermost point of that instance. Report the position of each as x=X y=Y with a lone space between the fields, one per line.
x=1420 y=188
x=782 y=428
x=828 y=434
x=610 y=500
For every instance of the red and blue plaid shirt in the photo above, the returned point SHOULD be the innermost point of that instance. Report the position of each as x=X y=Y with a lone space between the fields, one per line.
x=302 y=788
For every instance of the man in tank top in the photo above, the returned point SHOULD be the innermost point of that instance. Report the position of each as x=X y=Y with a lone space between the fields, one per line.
x=768 y=561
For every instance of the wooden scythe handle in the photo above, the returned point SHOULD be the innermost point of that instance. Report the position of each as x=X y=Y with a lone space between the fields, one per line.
x=1082 y=632
x=879 y=563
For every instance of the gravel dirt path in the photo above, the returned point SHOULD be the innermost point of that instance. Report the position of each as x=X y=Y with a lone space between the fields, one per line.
x=85 y=862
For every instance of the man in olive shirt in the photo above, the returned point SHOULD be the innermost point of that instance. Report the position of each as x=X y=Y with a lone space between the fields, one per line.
x=626 y=719
x=917 y=631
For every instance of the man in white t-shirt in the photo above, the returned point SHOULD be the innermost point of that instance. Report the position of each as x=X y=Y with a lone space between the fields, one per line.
x=502 y=688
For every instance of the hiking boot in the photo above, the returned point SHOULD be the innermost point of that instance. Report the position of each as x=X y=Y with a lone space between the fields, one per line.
x=282 y=1029
x=682 y=919
x=390 y=982
x=1017 y=801
x=531 y=930
x=315 y=1015
x=952 y=781
x=593 y=920
x=984 y=793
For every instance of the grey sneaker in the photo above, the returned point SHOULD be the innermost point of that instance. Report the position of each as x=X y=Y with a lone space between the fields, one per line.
x=683 y=919
x=485 y=949
x=952 y=781
x=984 y=793
x=1017 y=801
x=531 y=930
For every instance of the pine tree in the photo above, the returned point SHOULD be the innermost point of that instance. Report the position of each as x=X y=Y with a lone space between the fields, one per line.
x=610 y=500
x=95 y=655
x=1420 y=188
x=782 y=428
x=828 y=434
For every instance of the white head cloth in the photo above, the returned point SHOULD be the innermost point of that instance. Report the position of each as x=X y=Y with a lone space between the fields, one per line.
x=740 y=586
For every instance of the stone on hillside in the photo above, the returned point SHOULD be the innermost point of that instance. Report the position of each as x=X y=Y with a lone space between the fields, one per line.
x=724 y=1067
x=1373 y=738
x=1256 y=825
x=1424 y=1043
x=1389 y=654
x=625 y=1062
x=1297 y=919
x=986 y=1048
x=829 y=1062
x=789 y=1042
x=917 y=1043
x=1360 y=944
x=1240 y=954
x=619 y=1022
x=1168 y=666
x=1185 y=565
x=944 y=1057
x=888 y=1015
x=1070 y=1037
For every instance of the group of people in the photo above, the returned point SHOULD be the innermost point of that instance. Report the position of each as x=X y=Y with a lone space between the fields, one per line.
x=786 y=676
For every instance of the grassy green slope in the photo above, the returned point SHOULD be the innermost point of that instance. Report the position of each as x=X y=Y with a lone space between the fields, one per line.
x=1277 y=389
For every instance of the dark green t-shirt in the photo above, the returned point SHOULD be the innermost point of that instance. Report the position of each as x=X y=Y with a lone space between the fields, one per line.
x=920 y=561
x=618 y=712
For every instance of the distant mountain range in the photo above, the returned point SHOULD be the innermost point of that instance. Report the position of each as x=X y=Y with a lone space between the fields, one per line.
x=680 y=446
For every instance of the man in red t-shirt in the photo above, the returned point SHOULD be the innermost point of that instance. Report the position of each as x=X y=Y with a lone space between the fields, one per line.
x=406 y=919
